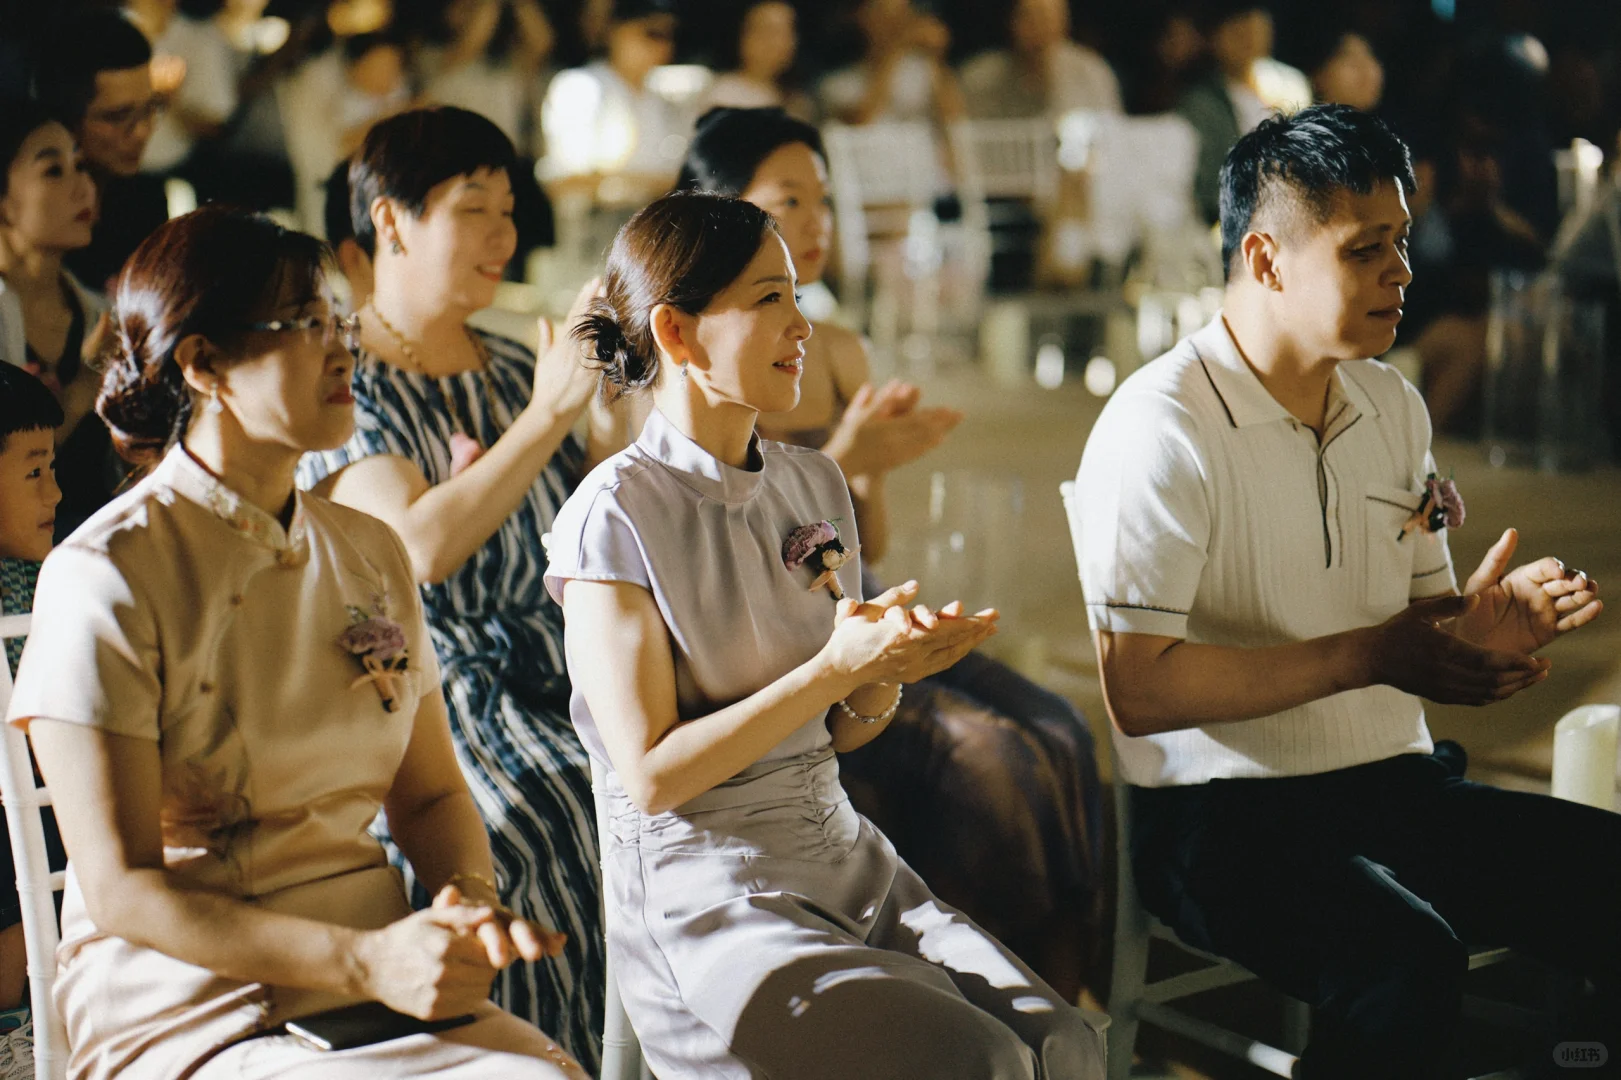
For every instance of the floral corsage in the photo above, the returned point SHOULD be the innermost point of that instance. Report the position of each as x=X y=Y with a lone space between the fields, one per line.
x=379 y=643
x=1441 y=507
x=818 y=546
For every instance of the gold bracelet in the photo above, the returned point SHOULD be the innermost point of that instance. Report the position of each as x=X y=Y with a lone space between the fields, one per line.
x=496 y=904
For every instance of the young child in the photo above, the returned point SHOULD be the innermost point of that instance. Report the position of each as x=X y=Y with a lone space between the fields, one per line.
x=29 y=417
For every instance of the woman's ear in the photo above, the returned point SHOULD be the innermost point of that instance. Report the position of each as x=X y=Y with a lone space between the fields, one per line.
x=673 y=332
x=385 y=222
x=196 y=356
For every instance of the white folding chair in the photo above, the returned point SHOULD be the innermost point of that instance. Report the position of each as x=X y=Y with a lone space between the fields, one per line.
x=621 y=1051
x=884 y=178
x=1133 y=999
x=36 y=885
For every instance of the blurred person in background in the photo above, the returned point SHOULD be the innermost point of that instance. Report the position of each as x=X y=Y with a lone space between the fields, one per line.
x=50 y=323
x=1242 y=86
x=903 y=73
x=353 y=260
x=463 y=444
x=603 y=120
x=1343 y=69
x=93 y=70
x=193 y=66
x=756 y=62
x=985 y=782
x=493 y=62
x=1044 y=73
x=1162 y=49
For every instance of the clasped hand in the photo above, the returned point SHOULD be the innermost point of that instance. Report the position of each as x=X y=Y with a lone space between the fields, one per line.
x=885 y=640
x=438 y=962
x=1479 y=647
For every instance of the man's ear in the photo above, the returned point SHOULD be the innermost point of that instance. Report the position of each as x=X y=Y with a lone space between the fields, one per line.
x=1258 y=260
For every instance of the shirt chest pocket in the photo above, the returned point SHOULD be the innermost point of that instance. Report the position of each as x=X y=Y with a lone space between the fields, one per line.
x=1389 y=564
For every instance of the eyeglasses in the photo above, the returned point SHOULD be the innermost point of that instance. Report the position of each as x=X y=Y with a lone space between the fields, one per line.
x=334 y=327
x=129 y=117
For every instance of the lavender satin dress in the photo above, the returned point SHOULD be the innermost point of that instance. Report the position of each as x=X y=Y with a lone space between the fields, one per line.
x=766 y=929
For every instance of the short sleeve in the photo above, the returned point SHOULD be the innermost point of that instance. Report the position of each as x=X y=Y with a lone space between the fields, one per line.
x=384 y=425
x=593 y=539
x=1145 y=518
x=1433 y=572
x=92 y=656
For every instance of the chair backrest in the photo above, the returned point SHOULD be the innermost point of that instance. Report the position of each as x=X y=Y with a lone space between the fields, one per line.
x=25 y=802
x=621 y=1050
x=1007 y=159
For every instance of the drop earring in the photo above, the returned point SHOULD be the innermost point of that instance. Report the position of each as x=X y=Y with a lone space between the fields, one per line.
x=212 y=406
x=683 y=371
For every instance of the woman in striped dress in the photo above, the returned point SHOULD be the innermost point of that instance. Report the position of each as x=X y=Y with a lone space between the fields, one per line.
x=463 y=445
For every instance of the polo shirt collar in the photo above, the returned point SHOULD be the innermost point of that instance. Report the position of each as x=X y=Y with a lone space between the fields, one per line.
x=1247 y=401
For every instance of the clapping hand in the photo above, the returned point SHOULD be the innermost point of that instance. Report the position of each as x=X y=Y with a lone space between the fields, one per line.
x=883 y=428
x=1523 y=610
x=564 y=382
x=885 y=640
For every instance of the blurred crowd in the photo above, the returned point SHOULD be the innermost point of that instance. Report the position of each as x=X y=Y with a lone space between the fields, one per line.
x=257 y=102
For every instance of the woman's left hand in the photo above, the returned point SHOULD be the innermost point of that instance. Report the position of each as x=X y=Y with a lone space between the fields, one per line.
x=505 y=936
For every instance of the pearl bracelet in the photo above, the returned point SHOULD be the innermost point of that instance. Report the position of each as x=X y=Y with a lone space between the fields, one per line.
x=880 y=718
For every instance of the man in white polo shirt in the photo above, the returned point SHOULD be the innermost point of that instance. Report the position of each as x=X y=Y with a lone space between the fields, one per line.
x=1267 y=576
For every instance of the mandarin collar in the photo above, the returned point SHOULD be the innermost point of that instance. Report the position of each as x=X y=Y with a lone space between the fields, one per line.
x=1247 y=401
x=186 y=476
x=698 y=468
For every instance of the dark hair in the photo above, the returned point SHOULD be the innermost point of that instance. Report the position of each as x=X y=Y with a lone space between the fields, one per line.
x=729 y=144
x=340 y=225
x=26 y=404
x=78 y=48
x=729 y=50
x=210 y=272
x=408 y=155
x=1307 y=159
x=628 y=10
x=18 y=120
x=355 y=48
x=681 y=250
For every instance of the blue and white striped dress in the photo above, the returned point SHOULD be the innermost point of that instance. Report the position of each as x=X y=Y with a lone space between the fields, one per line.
x=499 y=638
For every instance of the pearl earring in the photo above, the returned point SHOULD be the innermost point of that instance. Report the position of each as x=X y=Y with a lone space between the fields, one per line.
x=683 y=371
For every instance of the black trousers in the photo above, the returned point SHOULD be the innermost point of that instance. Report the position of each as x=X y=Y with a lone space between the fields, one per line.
x=1360 y=891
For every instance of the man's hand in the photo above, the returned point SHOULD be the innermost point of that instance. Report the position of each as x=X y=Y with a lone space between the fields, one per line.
x=1523 y=610
x=1415 y=652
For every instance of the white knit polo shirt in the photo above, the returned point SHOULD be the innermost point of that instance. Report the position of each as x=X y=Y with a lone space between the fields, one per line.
x=1211 y=514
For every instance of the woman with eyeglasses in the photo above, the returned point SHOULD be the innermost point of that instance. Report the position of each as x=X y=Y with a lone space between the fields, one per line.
x=225 y=682
x=463 y=445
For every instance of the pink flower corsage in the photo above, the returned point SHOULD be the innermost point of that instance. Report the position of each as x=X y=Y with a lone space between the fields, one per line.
x=818 y=546
x=1441 y=507
x=379 y=643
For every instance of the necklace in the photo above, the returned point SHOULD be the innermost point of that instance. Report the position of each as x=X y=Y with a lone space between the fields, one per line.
x=465 y=445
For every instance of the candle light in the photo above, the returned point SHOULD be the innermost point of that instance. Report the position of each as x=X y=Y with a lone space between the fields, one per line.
x=1584 y=753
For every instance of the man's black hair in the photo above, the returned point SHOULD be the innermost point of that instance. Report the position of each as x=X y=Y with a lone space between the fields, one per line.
x=76 y=49
x=1306 y=159
x=26 y=404
x=340 y=226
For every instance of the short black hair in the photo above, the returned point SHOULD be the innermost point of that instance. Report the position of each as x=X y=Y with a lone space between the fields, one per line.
x=18 y=120
x=1307 y=158
x=729 y=145
x=77 y=49
x=340 y=226
x=410 y=154
x=26 y=404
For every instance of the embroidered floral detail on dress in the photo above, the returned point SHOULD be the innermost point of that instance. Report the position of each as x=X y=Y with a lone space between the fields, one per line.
x=378 y=642
x=199 y=816
x=818 y=545
x=1441 y=508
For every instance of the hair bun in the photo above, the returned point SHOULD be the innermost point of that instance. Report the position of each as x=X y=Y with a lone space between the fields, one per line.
x=144 y=404
x=610 y=350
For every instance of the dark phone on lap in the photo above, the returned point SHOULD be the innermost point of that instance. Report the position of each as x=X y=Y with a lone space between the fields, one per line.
x=365 y=1024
